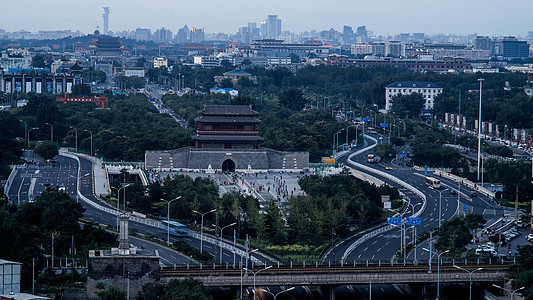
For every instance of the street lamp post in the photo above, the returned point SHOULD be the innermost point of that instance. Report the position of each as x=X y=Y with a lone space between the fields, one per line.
x=25 y=130
x=168 y=217
x=29 y=135
x=220 y=243
x=118 y=198
x=479 y=127
x=440 y=206
x=255 y=273
x=438 y=268
x=76 y=137
x=276 y=295
x=470 y=274
x=51 y=132
x=414 y=227
x=202 y=227
x=91 y=141
x=510 y=292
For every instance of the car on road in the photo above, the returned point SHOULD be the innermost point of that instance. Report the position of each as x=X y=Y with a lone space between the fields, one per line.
x=529 y=237
x=473 y=194
x=61 y=188
x=388 y=168
x=453 y=192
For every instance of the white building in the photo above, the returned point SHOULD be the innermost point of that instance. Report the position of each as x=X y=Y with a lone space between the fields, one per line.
x=9 y=277
x=428 y=90
x=14 y=61
x=160 y=62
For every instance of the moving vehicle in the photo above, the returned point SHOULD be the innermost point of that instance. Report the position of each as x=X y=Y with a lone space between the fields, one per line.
x=432 y=182
x=453 y=192
x=473 y=194
x=176 y=228
x=370 y=158
x=486 y=251
x=371 y=130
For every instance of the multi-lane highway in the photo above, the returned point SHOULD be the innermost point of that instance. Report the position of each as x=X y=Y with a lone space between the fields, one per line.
x=32 y=179
x=386 y=244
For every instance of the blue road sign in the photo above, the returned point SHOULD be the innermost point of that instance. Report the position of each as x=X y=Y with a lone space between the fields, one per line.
x=465 y=207
x=366 y=119
x=413 y=221
x=401 y=155
x=384 y=125
x=426 y=170
x=394 y=221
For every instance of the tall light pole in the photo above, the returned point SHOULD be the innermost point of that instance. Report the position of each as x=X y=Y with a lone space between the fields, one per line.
x=118 y=199
x=29 y=135
x=202 y=227
x=51 y=132
x=438 y=268
x=510 y=292
x=440 y=206
x=76 y=137
x=255 y=273
x=221 y=229
x=25 y=130
x=91 y=140
x=168 y=217
x=414 y=227
x=479 y=127
x=276 y=295
x=470 y=274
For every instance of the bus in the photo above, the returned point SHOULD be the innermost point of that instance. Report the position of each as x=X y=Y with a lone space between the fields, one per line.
x=432 y=182
x=176 y=228
x=370 y=158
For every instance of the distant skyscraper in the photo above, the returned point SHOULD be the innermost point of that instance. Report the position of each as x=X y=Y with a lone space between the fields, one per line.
x=347 y=30
x=361 y=30
x=197 y=35
x=106 y=20
x=182 y=37
x=273 y=26
x=162 y=35
x=143 y=34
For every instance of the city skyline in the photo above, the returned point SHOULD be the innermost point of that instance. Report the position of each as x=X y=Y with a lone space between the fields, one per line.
x=384 y=18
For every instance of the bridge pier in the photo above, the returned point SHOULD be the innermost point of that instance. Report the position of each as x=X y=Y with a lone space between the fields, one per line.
x=327 y=291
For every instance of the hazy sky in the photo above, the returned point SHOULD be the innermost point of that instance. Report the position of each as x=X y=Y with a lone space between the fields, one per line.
x=384 y=17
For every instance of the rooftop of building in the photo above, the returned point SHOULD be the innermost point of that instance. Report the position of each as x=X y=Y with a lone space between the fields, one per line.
x=21 y=296
x=137 y=253
x=229 y=138
x=7 y=262
x=233 y=110
x=237 y=72
x=413 y=84
x=227 y=119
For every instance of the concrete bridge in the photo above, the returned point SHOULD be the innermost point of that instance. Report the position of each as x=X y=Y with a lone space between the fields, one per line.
x=329 y=277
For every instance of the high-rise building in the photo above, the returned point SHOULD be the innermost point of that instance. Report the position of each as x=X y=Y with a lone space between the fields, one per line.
x=162 y=35
x=513 y=48
x=182 y=37
x=197 y=35
x=273 y=26
x=361 y=30
x=143 y=34
x=106 y=20
x=482 y=43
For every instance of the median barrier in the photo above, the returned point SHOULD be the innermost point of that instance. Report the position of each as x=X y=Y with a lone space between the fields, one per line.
x=396 y=180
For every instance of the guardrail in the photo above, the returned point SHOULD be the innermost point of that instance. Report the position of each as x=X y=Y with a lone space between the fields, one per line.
x=9 y=181
x=378 y=231
x=150 y=222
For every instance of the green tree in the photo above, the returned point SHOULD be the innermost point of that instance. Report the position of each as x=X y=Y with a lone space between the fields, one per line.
x=186 y=289
x=112 y=293
x=385 y=151
x=81 y=90
x=38 y=61
x=272 y=229
x=46 y=149
x=408 y=105
x=292 y=98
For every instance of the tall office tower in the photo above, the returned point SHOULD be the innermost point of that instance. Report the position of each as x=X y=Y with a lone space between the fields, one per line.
x=106 y=20
x=273 y=26
x=182 y=37
x=361 y=30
